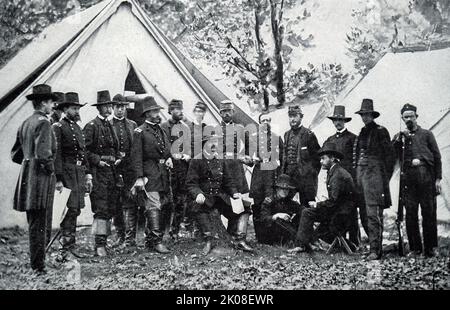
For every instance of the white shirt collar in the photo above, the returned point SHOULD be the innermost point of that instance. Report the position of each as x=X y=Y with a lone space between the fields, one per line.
x=153 y=124
x=341 y=131
x=119 y=119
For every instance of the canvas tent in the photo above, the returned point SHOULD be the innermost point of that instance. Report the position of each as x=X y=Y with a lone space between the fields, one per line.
x=103 y=47
x=420 y=78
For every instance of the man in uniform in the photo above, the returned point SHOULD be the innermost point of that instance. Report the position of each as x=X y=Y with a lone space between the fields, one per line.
x=235 y=160
x=176 y=129
x=333 y=212
x=124 y=212
x=103 y=156
x=35 y=149
x=374 y=162
x=267 y=165
x=57 y=111
x=150 y=159
x=196 y=127
x=211 y=184
x=422 y=173
x=344 y=141
x=300 y=159
x=71 y=169
x=280 y=214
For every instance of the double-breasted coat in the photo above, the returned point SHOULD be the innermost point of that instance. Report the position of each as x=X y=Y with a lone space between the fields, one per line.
x=71 y=164
x=151 y=148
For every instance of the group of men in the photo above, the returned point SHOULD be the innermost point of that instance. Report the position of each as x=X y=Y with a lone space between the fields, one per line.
x=180 y=171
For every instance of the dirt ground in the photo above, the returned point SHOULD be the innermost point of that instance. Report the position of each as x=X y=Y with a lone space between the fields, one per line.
x=271 y=267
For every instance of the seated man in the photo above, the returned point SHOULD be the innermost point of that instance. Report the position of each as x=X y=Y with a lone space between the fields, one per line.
x=210 y=184
x=280 y=214
x=333 y=210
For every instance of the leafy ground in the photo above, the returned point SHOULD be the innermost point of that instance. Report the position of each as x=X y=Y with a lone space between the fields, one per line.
x=272 y=267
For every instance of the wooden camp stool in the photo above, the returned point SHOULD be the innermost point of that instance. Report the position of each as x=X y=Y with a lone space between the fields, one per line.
x=342 y=243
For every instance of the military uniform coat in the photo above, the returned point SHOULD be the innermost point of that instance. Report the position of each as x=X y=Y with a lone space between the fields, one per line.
x=374 y=153
x=212 y=178
x=71 y=163
x=301 y=161
x=124 y=131
x=273 y=205
x=151 y=148
x=263 y=179
x=235 y=165
x=36 y=144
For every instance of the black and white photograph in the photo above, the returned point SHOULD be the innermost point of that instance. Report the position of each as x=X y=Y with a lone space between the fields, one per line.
x=236 y=146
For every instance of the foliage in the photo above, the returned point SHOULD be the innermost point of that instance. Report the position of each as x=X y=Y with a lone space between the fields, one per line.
x=382 y=25
x=250 y=41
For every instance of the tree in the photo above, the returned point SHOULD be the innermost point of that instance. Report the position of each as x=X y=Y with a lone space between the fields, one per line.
x=381 y=26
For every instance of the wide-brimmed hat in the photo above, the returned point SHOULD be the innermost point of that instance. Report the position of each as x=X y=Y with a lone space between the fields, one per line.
x=119 y=100
x=70 y=98
x=226 y=105
x=149 y=104
x=41 y=92
x=339 y=114
x=367 y=107
x=330 y=149
x=284 y=181
x=200 y=105
x=103 y=97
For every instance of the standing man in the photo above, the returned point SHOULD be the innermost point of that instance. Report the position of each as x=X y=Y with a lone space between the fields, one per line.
x=422 y=174
x=265 y=171
x=300 y=159
x=124 y=218
x=150 y=159
x=344 y=141
x=235 y=161
x=71 y=169
x=374 y=162
x=103 y=156
x=57 y=110
x=333 y=212
x=196 y=127
x=35 y=149
x=176 y=129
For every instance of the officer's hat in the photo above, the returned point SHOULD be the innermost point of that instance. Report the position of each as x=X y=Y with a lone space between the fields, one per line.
x=70 y=98
x=284 y=181
x=119 y=100
x=295 y=110
x=59 y=100
x=175 y=104
x=330 y=149
x=200 y=105
x=339 y=113
x=103 y=97
x=367 y=107
x=149 y=104
x=408 y=107
x=41 y=92
x=226 y=105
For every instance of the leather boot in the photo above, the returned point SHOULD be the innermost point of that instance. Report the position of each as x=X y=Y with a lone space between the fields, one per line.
x=241 y=233
x=130 y=216
x=101 y=228
x=153 y=233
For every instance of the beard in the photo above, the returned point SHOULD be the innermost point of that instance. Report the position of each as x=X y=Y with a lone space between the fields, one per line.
x=75 y=118
x=410 y=124
x=155 y=119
